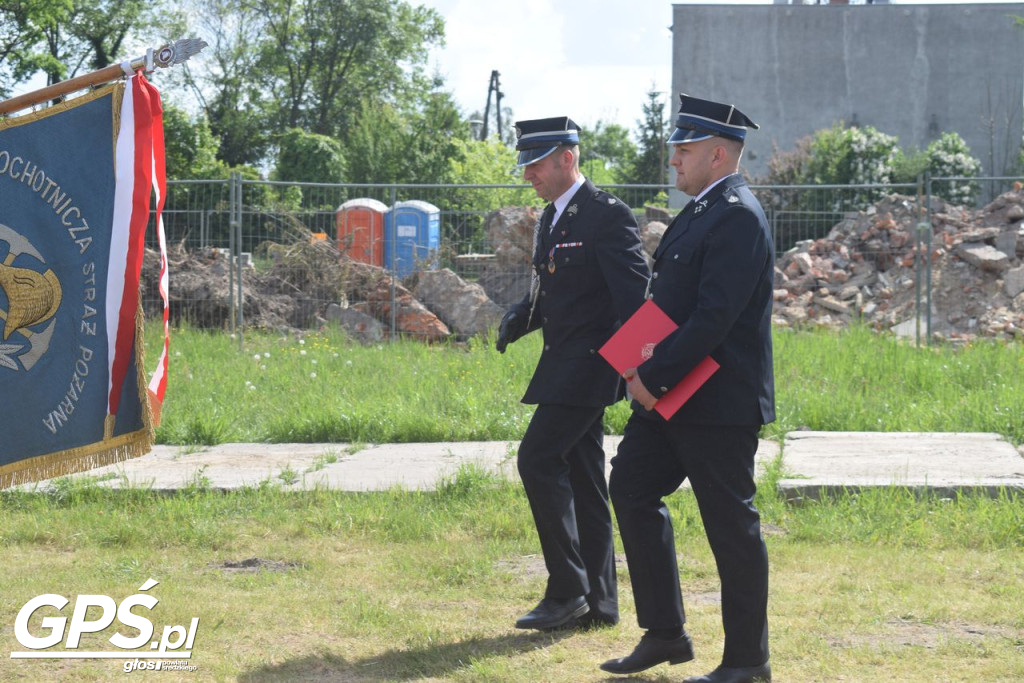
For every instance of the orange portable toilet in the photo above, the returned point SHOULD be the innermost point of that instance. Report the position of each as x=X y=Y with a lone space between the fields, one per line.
x=360 y=224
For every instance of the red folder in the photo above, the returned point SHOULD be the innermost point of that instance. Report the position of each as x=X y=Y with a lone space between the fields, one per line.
x=634 y=342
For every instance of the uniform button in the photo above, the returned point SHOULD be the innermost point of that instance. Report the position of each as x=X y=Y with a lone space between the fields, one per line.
x=591 y=350
x=543 y=293
x=547 y=347
x=545 y=319
x=675 y=256
x=655 y=275
x=664 y=390
x=651 y=295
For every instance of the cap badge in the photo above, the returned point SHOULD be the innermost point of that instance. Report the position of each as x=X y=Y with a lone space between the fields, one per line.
x=701 y=205
x=732 y=199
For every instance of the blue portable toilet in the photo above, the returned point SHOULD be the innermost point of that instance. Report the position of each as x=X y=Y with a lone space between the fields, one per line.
x=412 y=237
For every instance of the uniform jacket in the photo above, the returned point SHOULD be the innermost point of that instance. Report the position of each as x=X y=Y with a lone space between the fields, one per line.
x=713 y=275
x=592 y=277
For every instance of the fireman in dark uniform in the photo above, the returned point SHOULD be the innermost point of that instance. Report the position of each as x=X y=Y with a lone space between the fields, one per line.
x=589 y=276
x=713 y=275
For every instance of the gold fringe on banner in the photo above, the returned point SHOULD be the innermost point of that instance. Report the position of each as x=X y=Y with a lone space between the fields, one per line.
x=106 y=452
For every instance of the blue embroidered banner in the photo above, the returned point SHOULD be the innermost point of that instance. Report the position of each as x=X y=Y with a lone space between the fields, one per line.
x=65 y=274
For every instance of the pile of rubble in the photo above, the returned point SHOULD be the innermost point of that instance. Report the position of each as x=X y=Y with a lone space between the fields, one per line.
x=872 y=267
x=308 y=285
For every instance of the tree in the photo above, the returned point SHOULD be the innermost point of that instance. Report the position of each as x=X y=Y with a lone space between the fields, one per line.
x=481 y=162
x=310 y=158
x=324 y=66
x=607 y=155
x=92 y=34
x=318 y=57
x=22 y=26
x=190 y=149
x=413 y=143
x=223 y=80
x=652 y=158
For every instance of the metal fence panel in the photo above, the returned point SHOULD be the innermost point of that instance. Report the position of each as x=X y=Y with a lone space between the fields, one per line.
x=228 y=236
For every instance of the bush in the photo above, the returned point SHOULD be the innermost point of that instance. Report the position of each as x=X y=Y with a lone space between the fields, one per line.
x=950 y=157
x=852 y=156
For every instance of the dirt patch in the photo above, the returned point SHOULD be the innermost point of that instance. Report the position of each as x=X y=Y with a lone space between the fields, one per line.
x=908 y=633
x=526 y=566
x=256 y=564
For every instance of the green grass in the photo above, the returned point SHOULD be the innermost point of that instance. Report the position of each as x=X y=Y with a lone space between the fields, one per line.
x=324 y=388
x=403 y=585
x=399 y=585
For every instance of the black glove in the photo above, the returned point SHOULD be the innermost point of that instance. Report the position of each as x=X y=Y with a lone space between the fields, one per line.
x=509 y=330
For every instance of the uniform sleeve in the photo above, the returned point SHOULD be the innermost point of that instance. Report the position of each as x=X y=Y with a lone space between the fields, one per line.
x=621 y=259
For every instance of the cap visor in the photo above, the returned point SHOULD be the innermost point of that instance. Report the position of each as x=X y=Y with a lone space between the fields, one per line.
x=531 y=156
x=683 y=135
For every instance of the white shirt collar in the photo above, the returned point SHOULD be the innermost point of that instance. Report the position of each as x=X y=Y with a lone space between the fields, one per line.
x=711 y=186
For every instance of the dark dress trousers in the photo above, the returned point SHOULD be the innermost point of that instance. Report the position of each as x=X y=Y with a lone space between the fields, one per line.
x=713 y=275
x=592 y=277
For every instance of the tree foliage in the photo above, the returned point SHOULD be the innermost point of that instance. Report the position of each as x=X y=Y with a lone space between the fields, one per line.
x=607 y=154
x=310 y=158
x=92 y=35
x=23 y=24
x=409 y=142
x=317 y=57
x=651 y=162
x=190 y=150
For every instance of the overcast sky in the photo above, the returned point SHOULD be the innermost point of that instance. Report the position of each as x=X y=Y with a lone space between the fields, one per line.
x=588 y=59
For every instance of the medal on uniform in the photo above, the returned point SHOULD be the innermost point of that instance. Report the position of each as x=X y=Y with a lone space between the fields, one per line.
x=551 y=260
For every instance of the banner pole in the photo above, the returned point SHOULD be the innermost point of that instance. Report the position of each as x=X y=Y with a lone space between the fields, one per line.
x=168 y=55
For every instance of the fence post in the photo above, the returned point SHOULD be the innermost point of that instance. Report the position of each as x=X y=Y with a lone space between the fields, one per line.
x=919 y=257
x=394 y=263
x=928 y=255
x=231 y=252
x=235 y=253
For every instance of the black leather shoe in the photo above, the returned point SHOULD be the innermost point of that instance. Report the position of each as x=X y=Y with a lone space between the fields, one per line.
x=651 y=652
x=554 y=613
x=738 y=674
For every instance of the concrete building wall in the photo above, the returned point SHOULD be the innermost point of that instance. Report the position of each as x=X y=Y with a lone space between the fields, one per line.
x=913 y=71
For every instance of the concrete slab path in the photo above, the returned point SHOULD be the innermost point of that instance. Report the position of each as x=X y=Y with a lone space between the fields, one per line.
x=812 y=462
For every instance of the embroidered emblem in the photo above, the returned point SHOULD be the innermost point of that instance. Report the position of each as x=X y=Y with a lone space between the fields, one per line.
x=572 y=210
x=647 y=351
x=732 y=199
x=611 y=200
x=701 y=205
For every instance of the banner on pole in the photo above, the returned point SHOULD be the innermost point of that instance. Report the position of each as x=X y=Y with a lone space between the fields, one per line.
x=76 y=184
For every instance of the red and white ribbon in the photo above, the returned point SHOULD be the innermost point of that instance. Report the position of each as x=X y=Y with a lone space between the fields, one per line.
x=139 y=171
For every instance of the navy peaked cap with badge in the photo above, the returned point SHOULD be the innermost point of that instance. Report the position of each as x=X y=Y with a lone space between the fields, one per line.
x=701 y=119
x=537 y=138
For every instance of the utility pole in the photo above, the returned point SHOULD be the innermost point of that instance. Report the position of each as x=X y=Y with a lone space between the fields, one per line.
x=495 y=87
